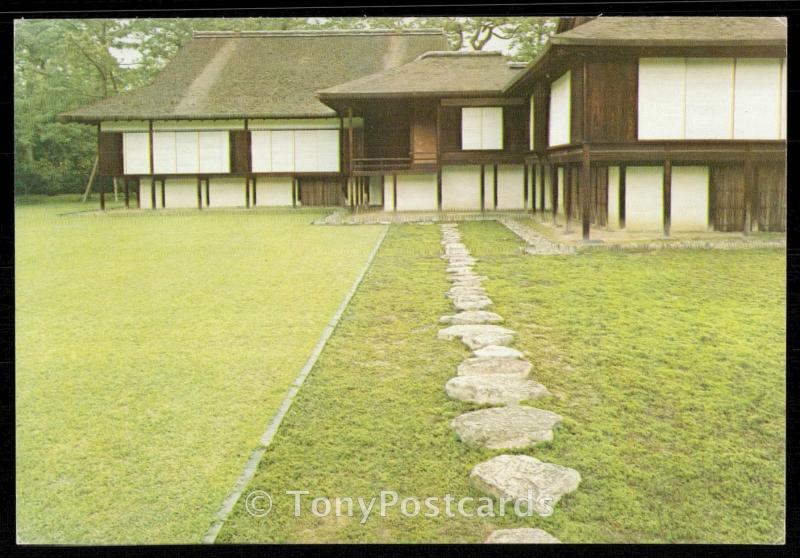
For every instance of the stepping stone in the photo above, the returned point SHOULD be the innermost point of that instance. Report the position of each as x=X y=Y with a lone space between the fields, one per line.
x=462 y=304
x=494 y=390
x=483 y=366
x=497 y=351
x=455 y=331
x=511 y=427
x=521 y=477
x=473 y=317
x=475 y=342
x=524 y=535
x=477 y=292
x=474 y=281
x=459 y=269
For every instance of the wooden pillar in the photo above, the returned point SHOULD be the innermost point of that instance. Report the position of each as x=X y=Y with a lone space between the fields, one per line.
x=586 y=172
x=554 y=191
x=748 y=178
x=163 y=193
x=199 y=194
x=127 y=193
x=102 y=195
x=525 y=196
x=394 y=192
x=541 y=188
x=494 y=187
x=439 y=189
x=567 y=195
x=667 y=195
x=255 y=191
x=138 y=193
x=621 y=201
x=294 y=191
x=208 y=192
x=153 y=193
x=247 y=193
x=350 y=140
x=483 y=188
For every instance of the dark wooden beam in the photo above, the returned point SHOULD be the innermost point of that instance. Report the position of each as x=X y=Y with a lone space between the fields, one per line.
x=138 y=193
x=622 y=172
x=494 y=186
x=439 y=188
x=483 y=101
x=255 y=191
x=102 y=195
x=394 y=192
x=567 y=195
x=667 y=195
x=199 y=194
x=163 y=193
x=208 y=192
x=585 y=175
x=127 y=193
x=294 y=191
x=483 y=188
x=350 y=140
x=525 y=185
x=153 y=193
x=150 y=144
x=554 y=191
x=247 y=193
x=542 y=201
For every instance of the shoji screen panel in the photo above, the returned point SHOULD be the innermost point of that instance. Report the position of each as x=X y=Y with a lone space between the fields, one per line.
x=187 y=155
x=757 y=93
x=136 y=152
x=305 y=150
x=282 y=150
x=662 y=84
x=327 y=150
x=492 y=128
x=709 y=98
x=214 y=152
x=559 y=124
x=471 y=128
x=164 y=156
x=784 y=90
x=261 y=150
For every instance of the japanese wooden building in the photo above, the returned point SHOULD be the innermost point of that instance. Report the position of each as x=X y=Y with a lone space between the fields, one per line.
x=669 y=123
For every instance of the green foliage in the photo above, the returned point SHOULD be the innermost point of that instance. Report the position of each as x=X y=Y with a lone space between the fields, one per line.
x=64 y=64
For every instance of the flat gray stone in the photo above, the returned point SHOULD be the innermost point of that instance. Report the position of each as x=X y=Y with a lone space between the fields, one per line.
x=498 y=351
x=523 y=535
x=494 y=390
x=521 y=477
x=473 y=317
x=455 y=331
x=468 y=281
x=481 y=340
x=459 y=269
x=483 y=366
x=463 y=304
x=511 y=427
x=477 y=292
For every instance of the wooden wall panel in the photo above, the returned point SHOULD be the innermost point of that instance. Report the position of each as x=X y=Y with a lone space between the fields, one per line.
x=612 y=100
x=240 y=151
x=321 y=192
x=728 y=197
x=109 y=151
x=450 y=128
x=771 y=185
x=515 y=127
x=598 y=186
x=386 y=132
x=423 y=132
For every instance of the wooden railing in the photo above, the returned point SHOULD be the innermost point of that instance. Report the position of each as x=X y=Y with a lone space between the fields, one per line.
x=367 y=164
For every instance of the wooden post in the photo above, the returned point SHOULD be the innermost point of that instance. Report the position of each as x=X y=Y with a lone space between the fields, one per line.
x=350 y=140
x=91 y=179
x=586 y=172
x=541 y=189
x=153 y=193
x=208 y=192
x=138 y=193
x=163 y=193
x=199 y=194
x=494 y=187
x=114 y=183
x=554 y=192
x=255 y=191
x=127 y=193
x=667 y=195
x=567 y=195
x=439 y=189
x=394 y=192
x=483 y=188
x=622 y=172
x=525 y=185
x=294 y=191
x=247 y=193
x=748 y=177
x=102 y=196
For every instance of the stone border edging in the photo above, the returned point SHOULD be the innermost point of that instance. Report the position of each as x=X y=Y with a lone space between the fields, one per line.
x=272 y=427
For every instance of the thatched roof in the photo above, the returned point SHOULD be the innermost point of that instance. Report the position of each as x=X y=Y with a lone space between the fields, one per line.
x=270 y=74
x=433 y=74
x=676 y=31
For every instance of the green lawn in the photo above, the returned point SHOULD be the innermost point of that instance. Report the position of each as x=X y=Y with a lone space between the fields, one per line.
x=668 y=367
x=152 y=348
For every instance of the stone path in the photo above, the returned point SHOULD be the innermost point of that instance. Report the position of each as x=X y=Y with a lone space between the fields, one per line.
x=536 y=243
x=497 y=374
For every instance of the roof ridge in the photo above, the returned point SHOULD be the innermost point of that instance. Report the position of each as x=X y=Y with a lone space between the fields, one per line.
x=313 y=32
x=455 y=53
